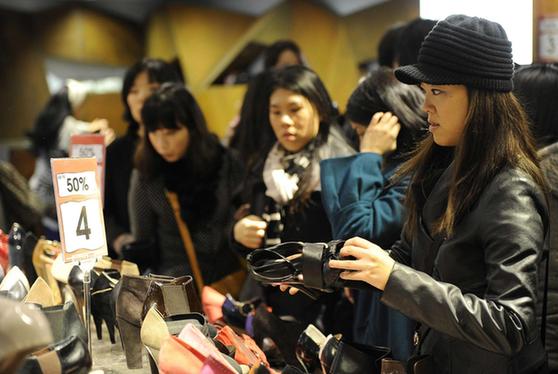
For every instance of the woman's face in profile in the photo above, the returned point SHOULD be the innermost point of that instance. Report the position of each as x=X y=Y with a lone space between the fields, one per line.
x=139 y=92
x=170 y=144
x=447 y=107
x=295 y=121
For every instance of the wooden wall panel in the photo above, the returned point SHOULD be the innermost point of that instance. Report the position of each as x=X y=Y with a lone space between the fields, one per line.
x=220 y=105
x=107 y=106
x=326 y=45
x=366 y=28
x=79 y=35
x=89 y=36
x=202 y=37
x=273 y=25
x=342 y=75
x=24 y=90
x=315 y=29
x=159 y=39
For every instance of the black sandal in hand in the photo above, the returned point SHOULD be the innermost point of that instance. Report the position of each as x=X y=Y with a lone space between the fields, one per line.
x=301 y=265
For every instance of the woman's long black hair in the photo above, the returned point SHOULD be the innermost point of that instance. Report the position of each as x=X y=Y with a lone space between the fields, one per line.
x=536 y=86
x=382 y=92
x=44 y=136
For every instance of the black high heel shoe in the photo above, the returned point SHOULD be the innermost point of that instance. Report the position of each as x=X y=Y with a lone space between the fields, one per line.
x=15 y=245
x=102 y=303
x=29 y=243
x=337 y=356
x=283 y=333
x=308 y=348
x=66 y=356
x=64 y=321
x=235 y=312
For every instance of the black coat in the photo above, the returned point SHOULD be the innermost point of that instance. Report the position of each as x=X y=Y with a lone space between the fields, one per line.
x=151 y=217
x=478 y=306
x=119 y=166
x=549 y=163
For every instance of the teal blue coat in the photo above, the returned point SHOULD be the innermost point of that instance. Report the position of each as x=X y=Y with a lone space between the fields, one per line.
x=360 y=200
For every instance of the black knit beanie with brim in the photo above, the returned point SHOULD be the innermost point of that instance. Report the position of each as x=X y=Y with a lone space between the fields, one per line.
x=463 y=50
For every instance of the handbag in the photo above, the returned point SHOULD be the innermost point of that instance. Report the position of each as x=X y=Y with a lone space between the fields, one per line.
x=230 y=283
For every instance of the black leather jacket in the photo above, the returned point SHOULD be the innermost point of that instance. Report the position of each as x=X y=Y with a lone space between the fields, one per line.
x=478 y=306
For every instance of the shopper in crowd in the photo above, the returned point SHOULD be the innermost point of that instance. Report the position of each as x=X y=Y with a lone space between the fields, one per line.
x=360 y=198
x=283 y=192
x=400 y=44
x=280 y=54
x=177 y=153
x=387 y=46
x=253 y=136
x=17 y=202
x=283 y=53
x=140 y=81
x=467 y=265
x=535 y=86
x=50 y=138
x=410 y=40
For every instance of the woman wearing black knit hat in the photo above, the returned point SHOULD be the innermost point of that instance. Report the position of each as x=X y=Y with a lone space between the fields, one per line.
x=468 y=263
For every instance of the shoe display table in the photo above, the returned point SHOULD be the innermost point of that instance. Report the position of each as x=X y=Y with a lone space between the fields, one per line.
x=109 y=358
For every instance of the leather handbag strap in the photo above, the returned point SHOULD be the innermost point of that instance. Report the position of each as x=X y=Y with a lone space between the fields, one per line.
x=186 y=239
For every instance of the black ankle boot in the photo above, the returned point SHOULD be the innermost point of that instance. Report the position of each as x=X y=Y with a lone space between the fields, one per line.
x=339 y=357
x=283 y=333
x=29 y=243
x=67 y=356
x=308 y=347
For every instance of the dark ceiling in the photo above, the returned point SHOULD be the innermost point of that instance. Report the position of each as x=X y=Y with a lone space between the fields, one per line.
x=138 y=10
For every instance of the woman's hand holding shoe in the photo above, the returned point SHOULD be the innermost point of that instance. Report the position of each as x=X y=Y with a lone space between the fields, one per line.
x=250 y=231
x=372 y=264
x=292 y=290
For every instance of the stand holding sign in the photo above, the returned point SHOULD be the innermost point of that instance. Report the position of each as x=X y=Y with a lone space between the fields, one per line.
x=80 y=218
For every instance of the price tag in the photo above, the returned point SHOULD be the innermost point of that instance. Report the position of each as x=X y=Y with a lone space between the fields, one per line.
x=72 y=184
x=90 y=145
x=79 y=208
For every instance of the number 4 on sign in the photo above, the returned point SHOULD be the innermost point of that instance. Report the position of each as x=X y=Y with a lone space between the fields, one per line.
x=83 y=221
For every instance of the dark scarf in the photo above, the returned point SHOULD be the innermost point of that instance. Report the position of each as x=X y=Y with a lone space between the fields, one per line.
x=197 y=191
x=441 y=160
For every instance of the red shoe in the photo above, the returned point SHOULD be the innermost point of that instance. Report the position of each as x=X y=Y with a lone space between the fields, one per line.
x=205 y=349
x=176 y=358
x=245 y=354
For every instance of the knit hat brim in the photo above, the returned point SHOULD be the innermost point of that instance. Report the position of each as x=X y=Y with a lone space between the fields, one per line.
x=418 y=73
x=421 y=73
